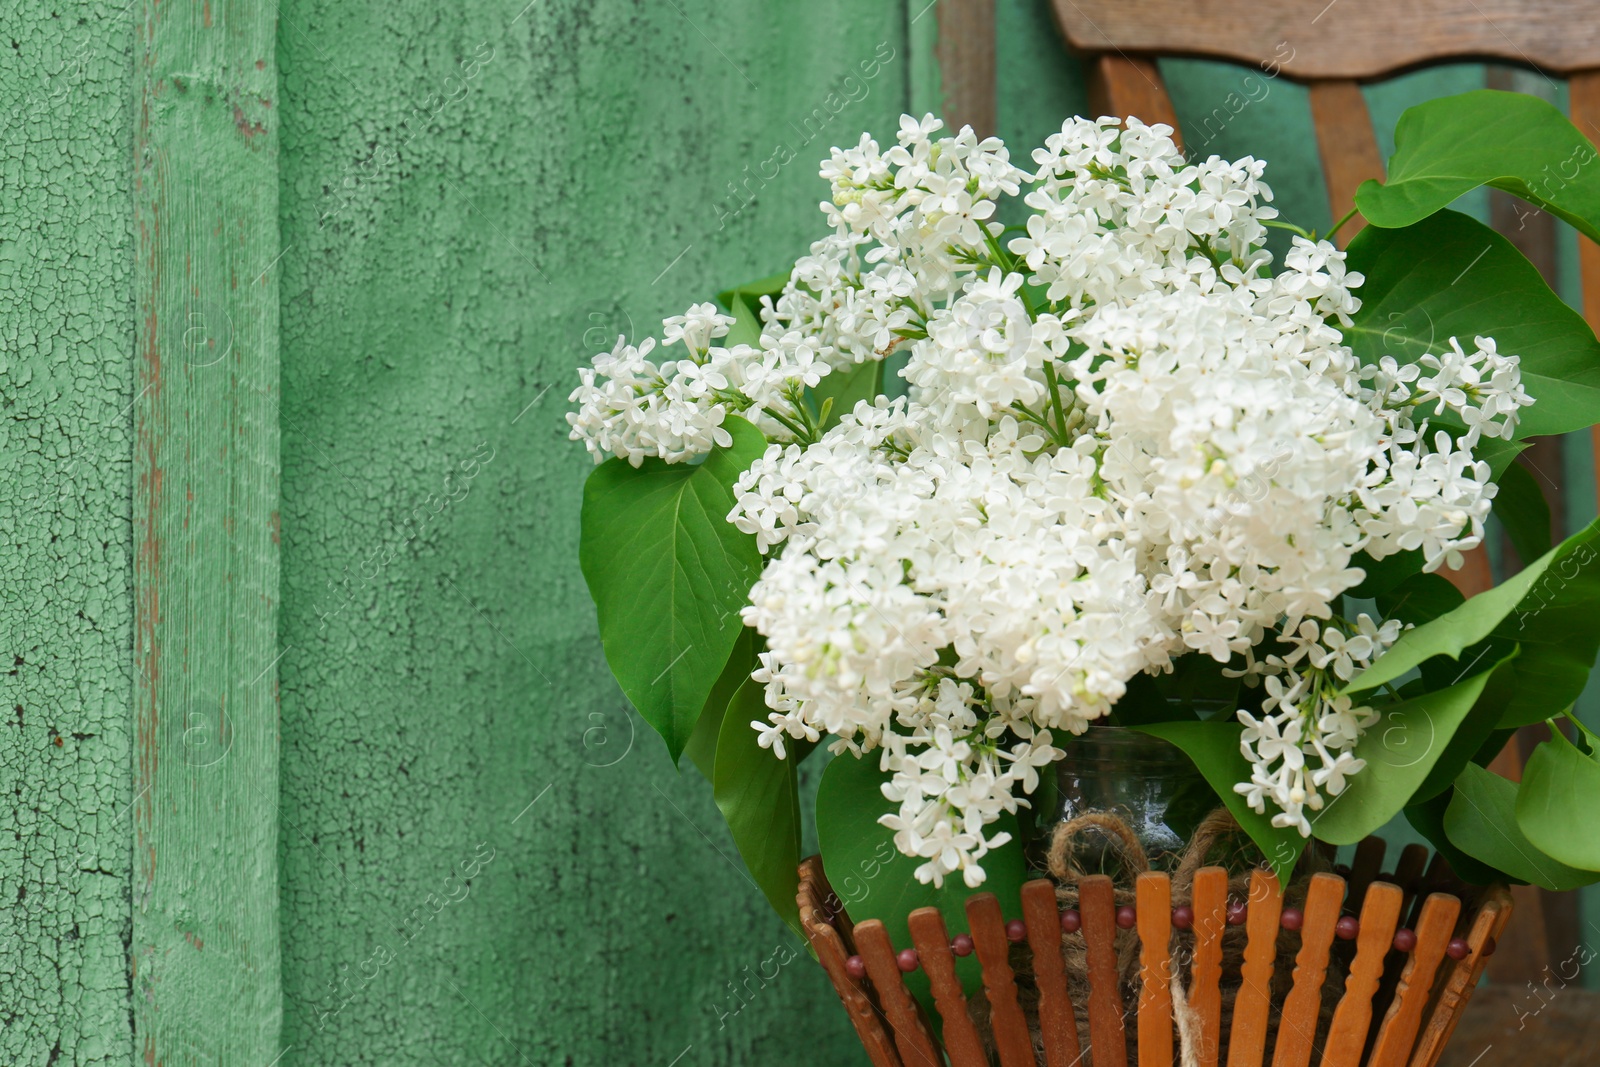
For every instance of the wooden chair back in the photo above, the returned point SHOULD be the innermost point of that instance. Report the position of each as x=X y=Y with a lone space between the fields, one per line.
x=1333 y=46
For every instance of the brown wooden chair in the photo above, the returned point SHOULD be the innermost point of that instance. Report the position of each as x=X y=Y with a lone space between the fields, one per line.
x=1333 y=46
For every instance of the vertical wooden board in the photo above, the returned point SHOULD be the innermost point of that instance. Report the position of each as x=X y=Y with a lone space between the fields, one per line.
x=1352 y=1019
x=1247 y=1039
x=965 y=52
x=1154 y=917
x=932 y=942
x=476 y=198
x=999 y=983
x=1097 y=904
x=911 y=1037
x=1301 y=1009
x=1400 y=1024
x=1205 y=993
x=66 y=587
x=1348 y=148
x=1446 y=1011
x=1058 y=1022
x=205 y=951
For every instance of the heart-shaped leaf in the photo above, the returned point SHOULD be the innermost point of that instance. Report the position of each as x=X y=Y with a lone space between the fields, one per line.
x=1555 y=805
x=1482 y=822
x=669 y=574
x=1512 y=141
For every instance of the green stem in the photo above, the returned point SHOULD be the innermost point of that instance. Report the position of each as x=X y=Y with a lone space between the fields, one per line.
x=1348 y=215
x=1594 y=739
x=1055 y=402
x=1279 y=224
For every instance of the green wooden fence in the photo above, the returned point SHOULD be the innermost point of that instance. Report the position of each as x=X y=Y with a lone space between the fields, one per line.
x=310 y=751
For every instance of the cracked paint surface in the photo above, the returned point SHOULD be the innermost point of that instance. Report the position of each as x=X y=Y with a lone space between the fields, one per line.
x=474 y=201
x=66 y=360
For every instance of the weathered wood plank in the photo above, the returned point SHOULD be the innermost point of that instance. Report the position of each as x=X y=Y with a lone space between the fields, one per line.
x=965 y=52
x=1364 y=39
x=205 y=951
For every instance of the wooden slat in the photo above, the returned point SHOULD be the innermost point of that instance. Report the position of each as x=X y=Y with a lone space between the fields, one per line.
x=1247 y=1040
x=1123 y=86
x=911 y=1037
x=1205 y=993
x=1348 y=147
x=1297 y=1028
x=999 y=984
x=1097 y=905
x=932 y=940
x=1352 y=1019
x=1058 y=1024
x=965 y=51
x=1312 y=39
x=863 y=1015
x=1407 y=875
x=1399 y=1030
x=1154 y=909
x=1363 y=869
x=1446 y=1013
x=205 y=506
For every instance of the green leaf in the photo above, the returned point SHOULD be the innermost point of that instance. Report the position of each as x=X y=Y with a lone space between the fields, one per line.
x=1482 y=822
x=1420 y=598
x=702 y=746
x=1427 y=818
x=759 y=796
x=1523 y=511
x=1400 y=749
x=771 y=286
x=746 y=328
x=668 y=575
x=846 y=388
x=1512 y=141
x=1384 y=574
x=1451 y=276
x=1556 y=803
x=1213 y=747
x=874 y=880
x=1548 y=608
x=1498 y=453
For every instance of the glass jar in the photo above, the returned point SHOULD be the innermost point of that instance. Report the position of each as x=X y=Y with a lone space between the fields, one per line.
x=1146 y=782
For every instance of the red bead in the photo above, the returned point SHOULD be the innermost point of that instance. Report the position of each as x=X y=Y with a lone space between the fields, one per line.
x=1458 y=949
x=1070 y=921
x=1489 y=946
x=961 y=945
x=855 y=967
x=1183 y=917
x=1404 y=940
x=1126 y=916
x=907 y=959
x=1347 y=928
x=1291 y=919
x=1016 y=930
x=1238 y=911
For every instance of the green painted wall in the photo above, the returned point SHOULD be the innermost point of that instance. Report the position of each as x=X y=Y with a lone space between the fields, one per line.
x=66 y=368
x=442 y=671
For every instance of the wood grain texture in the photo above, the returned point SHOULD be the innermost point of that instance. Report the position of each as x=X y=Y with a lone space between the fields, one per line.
x=1247 y=1039
x=932 y=942
x=1449 y=1008
x=1509 y=1027
x=911 y=1037
x=1348 y=147
x=1400 y=1024
x=1097 y=905
x=205 y=949
x=1346 y=39
x=1010 y=1026
x=441 y=669
x=965 y=52
x=1154 y=916
x=1297 y=1029
x=1352 y=1019
x=1058 y=1024
x=67 y=328
x=1205 y=992
x=1122 y=86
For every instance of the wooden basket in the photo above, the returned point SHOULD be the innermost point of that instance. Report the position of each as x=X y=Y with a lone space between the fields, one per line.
x=1423 y=983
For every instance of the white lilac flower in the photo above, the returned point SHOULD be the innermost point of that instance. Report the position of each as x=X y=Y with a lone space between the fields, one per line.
x=1126 y=440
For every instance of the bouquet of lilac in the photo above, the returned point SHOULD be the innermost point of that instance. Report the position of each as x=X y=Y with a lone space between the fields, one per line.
x=1125 y=444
